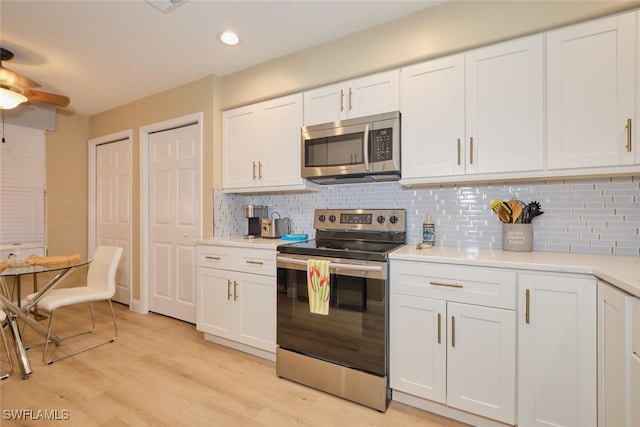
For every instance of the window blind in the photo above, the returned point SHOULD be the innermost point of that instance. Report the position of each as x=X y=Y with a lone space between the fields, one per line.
x=22 y=185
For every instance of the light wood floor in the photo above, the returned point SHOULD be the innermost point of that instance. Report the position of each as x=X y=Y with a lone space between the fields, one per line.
x=161 y=372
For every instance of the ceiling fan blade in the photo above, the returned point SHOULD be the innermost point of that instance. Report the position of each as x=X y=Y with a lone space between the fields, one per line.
x=13 y=79
x=46 y=97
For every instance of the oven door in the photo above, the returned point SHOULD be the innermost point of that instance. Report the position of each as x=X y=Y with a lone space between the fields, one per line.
x=354 y=333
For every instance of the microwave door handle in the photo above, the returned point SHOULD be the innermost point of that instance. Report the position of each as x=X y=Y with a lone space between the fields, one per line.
x=365 y=148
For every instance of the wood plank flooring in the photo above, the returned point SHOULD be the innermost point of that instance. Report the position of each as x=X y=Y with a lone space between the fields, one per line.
x=161 y=372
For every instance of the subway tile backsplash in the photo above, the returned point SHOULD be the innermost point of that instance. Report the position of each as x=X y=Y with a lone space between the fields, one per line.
x=599 y=215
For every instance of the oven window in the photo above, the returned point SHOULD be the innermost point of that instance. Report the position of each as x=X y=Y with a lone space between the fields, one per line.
x=353 y=334
x=335 y=150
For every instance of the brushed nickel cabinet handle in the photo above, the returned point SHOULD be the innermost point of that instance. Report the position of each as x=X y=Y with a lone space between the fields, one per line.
x=458 y=151
x=235 y=290
x=527 y=299
x=350 y=96
x=471 y=150
x=215 y=258
x=439 y=328
x=259 y=170
x=228 y=290
x=450 y=285
x=453 y=331
x=249 y=261
x=254 y=170
x=341 y=100
x=629 y=133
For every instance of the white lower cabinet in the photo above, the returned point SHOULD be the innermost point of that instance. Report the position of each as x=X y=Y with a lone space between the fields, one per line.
x=614 y=363
x=635 y=363
x=237 y=301
x=556 y=350
x=448 y=350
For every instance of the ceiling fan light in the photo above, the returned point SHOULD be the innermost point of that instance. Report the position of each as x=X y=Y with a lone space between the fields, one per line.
x=10 y=99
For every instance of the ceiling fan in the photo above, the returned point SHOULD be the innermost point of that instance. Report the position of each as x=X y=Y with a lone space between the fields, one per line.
x=16 y=88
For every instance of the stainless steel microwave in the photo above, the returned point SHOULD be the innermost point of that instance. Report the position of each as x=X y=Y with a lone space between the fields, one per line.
x=364 y=149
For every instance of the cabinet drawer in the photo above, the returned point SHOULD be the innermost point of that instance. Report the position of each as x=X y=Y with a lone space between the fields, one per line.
x=473 y=285
x=257 y=261
x=216 y=256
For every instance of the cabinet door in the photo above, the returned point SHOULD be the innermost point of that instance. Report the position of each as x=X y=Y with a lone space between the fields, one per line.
x=215 y=305
x=591 y=93
x=635 y=389
x=433 y=128
x=375 y=94
x=614 y=347
x=557 y=350
x=325 y=104
x=280 y=132
x=504 y=107
x=417 y=339
x=481 y=361
x=241 y=147
x=255 y=299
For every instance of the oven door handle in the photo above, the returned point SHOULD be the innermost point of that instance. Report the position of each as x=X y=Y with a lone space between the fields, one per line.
x=335 y=265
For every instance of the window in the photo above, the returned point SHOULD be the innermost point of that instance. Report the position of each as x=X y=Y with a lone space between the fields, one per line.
x=22 y=185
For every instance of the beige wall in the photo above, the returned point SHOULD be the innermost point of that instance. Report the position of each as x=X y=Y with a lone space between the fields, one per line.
x=444 y=29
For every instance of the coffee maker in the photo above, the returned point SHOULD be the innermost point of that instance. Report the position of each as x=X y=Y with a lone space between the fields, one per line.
x=254 y=215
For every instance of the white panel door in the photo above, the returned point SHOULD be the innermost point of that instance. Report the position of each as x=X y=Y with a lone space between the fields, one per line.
x=113 y=208
x=174 y=221
x=481 y=360
x=591 y=93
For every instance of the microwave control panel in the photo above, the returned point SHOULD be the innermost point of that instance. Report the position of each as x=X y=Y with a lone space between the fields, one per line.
x=382 y=144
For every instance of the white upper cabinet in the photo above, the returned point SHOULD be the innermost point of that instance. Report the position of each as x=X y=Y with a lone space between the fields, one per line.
x=591 y=93
x=261 y=146
x=475 y=113
x=374 y=94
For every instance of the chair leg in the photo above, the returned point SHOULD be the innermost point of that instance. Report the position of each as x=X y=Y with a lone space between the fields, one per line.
x=9 y=360
x=115 y=335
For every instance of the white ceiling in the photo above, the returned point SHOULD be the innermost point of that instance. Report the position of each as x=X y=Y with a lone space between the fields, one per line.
x=103 y=54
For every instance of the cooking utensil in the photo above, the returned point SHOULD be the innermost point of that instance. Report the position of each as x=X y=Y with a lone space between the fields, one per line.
x=516 y=210
x=502 y=210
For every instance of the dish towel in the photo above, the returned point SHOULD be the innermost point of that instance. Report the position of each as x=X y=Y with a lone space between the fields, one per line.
x=318 y=286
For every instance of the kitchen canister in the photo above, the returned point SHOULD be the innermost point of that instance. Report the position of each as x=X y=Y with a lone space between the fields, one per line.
x=517 y=237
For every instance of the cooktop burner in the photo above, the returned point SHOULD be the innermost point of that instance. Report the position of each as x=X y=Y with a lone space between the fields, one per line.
x=366 y=234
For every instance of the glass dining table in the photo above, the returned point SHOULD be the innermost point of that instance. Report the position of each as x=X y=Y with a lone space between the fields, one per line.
x=16 y=311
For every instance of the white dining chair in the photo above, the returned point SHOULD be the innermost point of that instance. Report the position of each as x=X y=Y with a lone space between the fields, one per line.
x=5 y=321
x=100 y=286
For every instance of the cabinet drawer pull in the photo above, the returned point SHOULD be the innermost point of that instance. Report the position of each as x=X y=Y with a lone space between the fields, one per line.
x=259 y=170
x=458 y=151
x=471 y=150
x=341 y=100
x=254 y=170
x=450 y=285
x=215 y=258
x=350 y=96
x=453 y=331
x=228 y=290
x=527 y=299
x=439 y=328
x=249 y=261
x=235 y=290
x=629 y=133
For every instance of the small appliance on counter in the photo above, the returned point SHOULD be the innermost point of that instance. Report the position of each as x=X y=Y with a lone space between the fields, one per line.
x=274 y=228
x=254 y=215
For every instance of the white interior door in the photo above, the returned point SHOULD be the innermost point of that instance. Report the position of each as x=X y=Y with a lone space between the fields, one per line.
x=174 y=220
x=113 y=207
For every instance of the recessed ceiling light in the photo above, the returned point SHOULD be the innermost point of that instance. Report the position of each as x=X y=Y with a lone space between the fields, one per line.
x=229 y=38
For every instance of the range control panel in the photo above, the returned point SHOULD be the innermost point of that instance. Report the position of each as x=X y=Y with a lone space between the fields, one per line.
x=360 y=219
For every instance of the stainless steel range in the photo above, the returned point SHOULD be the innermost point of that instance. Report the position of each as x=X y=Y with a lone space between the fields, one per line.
x=343 y=351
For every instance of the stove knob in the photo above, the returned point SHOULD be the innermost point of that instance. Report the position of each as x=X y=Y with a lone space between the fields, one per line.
x=322 y=218
x=393 y=219
x=381 y=219
x=332 y=218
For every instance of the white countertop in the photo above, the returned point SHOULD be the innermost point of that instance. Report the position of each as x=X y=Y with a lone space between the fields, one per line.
x=620 y=271
x=240 y=241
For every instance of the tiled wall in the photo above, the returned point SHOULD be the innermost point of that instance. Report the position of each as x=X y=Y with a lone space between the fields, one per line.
x=584 y=216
